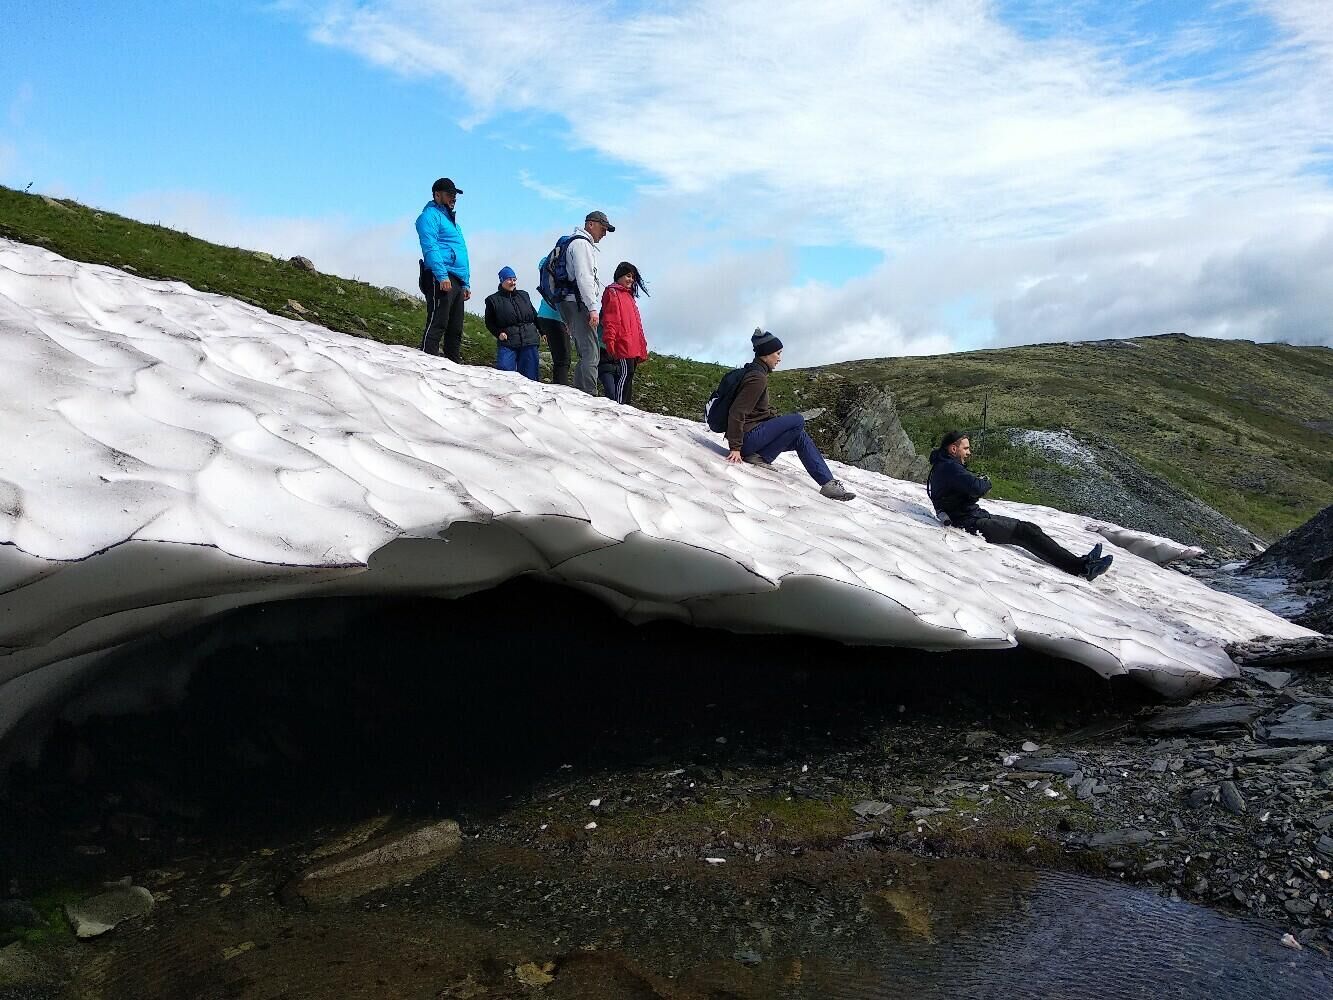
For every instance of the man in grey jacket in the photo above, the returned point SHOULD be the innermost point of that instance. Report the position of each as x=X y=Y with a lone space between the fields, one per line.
x=579 y=310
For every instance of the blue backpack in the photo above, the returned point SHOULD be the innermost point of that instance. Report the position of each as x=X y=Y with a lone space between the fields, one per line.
x=554 y=283
x=718 y=408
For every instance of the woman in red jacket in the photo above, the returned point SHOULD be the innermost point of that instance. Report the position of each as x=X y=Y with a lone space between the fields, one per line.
x=621 y=332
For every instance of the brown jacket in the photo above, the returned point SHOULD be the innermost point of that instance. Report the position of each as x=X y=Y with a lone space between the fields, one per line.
x=750 y=406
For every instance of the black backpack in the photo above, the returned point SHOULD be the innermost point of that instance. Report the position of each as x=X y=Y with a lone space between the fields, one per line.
x=718 y=408
x=554 y=282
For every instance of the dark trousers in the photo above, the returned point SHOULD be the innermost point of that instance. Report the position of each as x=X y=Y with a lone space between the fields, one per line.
x=787 y=433
x=617 y=378
x=557 y=339
x=1000 y=530
x=444 y=316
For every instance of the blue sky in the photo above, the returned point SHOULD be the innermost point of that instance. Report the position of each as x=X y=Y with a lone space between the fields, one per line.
x=874 y=178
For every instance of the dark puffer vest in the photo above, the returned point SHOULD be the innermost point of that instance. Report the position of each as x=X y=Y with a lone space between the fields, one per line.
x=512 y=313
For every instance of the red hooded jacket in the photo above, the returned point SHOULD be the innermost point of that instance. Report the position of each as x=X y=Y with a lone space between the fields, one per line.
x=621 y=327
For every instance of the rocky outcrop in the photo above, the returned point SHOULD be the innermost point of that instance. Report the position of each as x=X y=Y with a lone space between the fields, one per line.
x=1095 y=478
x=1304 y=558
x=870 y=436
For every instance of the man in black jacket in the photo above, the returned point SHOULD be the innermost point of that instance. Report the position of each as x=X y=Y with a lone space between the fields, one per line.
x=511 y=317
x=954 y=491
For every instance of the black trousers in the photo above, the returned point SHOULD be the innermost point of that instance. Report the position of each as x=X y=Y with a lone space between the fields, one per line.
x=617 y=378
x=444 y=316
x=557 y=339
x=1000 y=530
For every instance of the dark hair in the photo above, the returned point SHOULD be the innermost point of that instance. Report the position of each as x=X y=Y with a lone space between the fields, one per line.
x=951 y=438
x=624 y=268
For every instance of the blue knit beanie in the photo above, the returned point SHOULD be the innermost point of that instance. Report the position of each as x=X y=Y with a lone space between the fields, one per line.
x=764 y=343
x=506 y=273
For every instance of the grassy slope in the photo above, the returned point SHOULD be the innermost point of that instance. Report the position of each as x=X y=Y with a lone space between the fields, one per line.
x=1221 y=419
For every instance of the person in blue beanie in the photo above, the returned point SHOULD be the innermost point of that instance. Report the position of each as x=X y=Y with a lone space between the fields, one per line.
x=444 y=277
x=955 y=491
x=511 y=317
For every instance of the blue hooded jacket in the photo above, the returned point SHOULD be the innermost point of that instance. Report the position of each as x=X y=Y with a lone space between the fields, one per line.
x=955 y=491
x=442 y=245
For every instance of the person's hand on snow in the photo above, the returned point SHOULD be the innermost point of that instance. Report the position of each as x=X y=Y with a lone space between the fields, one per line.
x=734 y=455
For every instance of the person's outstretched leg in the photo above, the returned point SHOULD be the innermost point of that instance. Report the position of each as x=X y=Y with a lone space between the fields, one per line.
x=787 y=433
x=999 y=530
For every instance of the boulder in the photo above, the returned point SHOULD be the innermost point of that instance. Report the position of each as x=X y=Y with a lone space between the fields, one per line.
x=99 y=914
x=870 y=436
x=303 y=264
x=390 y=859
x=398 y=295
x=1203 y=718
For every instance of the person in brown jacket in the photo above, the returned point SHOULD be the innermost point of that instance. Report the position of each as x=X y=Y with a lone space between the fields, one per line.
x=757 y=433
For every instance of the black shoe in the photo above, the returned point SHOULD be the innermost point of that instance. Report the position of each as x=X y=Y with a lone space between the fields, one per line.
x=1096 y=567
x=1094 y=553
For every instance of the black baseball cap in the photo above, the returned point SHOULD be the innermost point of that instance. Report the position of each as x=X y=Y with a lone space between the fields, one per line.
x=446 y=185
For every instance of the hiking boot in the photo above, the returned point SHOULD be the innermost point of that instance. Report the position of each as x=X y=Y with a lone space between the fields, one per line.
x=756 y=459
x=834 y=490
x=1094 y=553
x=1096 y=567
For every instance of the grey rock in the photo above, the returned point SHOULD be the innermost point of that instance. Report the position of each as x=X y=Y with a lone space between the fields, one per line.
x=1298 y=907
x=748 y=956
x=1046 y=765
x=389 y=859
x=1085 y=790
x=1271 y=754
x=303 y=264
x=1324 y=845
x=398 y=295
x=1203 y=718
x=870 y=436
x=1200 y=797
x=1159 y=766
x=1313 y=731
x=1324 y=822
x=18 y=913
x=856 y=838
x=1297 y=713
x=1275 y=679
x=1232 y=800
x=1119 y=838
x=871 y=809
x=99 y=914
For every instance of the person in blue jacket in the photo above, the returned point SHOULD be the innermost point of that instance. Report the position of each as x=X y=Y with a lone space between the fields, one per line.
x=955 y=491
x=444 y=279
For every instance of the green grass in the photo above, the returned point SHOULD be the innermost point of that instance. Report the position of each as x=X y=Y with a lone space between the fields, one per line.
x=1223 y=420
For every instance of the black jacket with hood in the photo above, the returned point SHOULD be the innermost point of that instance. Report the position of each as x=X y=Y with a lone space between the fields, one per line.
x=955 y=491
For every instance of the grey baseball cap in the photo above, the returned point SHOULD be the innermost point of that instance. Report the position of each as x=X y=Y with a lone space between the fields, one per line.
x=600 y=217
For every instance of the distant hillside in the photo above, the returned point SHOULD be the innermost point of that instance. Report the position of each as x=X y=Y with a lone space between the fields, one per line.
x=1246 y=428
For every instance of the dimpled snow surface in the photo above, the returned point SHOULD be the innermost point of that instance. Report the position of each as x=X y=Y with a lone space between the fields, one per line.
x=171 y=454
